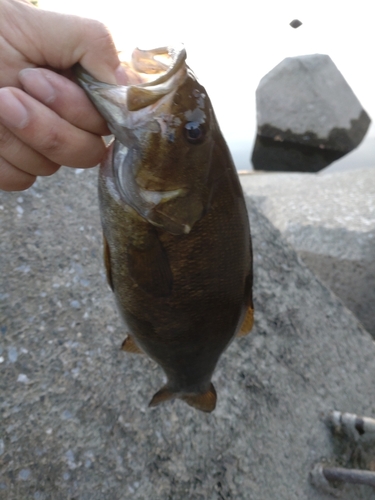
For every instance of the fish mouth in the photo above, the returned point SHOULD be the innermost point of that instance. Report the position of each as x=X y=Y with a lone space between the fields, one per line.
x=152 y=74
x=156 y=69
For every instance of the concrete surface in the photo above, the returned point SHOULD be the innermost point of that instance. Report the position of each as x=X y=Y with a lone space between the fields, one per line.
x=74 y=422
x=330 y=220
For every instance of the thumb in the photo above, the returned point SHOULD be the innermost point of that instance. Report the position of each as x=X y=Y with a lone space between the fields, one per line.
x=60 y=40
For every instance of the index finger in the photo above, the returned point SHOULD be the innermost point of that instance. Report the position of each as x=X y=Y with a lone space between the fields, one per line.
x=61 y=40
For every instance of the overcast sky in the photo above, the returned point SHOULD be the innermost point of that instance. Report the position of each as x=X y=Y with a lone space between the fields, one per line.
x=232 y=45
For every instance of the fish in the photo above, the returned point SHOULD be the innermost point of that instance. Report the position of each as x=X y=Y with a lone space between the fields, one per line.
x=177 y=242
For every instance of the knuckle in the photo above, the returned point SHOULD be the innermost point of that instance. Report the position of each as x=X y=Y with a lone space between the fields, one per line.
x=51 y=143
x=99 y=31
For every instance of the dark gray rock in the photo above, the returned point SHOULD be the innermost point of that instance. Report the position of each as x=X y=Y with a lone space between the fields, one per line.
x=74 y=419
x=307 y=116
x=296 y=23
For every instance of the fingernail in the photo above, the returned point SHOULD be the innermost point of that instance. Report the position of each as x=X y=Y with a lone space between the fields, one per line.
x=36 y=83
x=12 y=112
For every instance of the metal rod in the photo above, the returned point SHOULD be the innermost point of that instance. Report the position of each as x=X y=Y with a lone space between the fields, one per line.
x=351 y=422
x=354 y=476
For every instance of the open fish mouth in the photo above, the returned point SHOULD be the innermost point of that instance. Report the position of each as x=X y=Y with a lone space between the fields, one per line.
x=152 y=74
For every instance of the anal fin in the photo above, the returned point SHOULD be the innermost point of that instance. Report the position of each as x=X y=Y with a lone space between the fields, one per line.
x=247 y=323
x=130 y=346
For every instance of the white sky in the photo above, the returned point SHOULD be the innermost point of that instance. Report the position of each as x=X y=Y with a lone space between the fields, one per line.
x=232 y=45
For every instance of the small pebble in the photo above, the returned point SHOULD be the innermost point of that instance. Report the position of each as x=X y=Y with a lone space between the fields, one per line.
x=66 y=415
x=24 y=474
x=12 y=354
x=23 y=378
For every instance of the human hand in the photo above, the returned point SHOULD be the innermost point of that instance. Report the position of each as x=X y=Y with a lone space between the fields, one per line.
x=46 y=120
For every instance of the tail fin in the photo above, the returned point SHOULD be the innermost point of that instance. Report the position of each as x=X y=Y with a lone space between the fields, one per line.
x=163 y=395
x=202 y=401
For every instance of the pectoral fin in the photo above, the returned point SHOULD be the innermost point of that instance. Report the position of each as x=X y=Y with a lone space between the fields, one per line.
x=149 y=267
x=107 y=262
x=247 y=323
x=130 y=346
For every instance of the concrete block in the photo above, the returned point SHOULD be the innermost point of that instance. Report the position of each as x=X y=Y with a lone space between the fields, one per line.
x=329 y=219
x=307 y=116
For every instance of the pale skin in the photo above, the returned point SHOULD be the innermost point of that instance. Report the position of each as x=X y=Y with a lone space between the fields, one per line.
x=46 y=120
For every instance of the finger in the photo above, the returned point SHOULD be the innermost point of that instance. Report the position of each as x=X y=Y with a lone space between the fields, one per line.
x=13 y=179
x=64 y=97
x=17 y=153
x=47 y=133
x=60 y=40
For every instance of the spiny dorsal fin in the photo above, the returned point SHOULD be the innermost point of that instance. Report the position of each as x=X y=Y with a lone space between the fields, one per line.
x=204 y=402
x=163 y=395
x=130 y=346
x=247 y=323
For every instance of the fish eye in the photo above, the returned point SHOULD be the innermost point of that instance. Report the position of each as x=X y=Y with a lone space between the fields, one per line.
x=194 y=132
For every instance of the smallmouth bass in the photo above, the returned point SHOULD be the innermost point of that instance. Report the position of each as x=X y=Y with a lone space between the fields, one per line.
x=177 y=244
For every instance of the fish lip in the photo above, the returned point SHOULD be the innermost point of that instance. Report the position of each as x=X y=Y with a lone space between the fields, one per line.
x=135 y=96
x=177 y=55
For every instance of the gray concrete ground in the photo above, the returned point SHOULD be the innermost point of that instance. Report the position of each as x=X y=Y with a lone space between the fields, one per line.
x=329 y=219
x=74 y=422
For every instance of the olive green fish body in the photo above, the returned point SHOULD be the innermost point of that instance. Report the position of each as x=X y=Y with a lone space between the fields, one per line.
x=177 y=239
